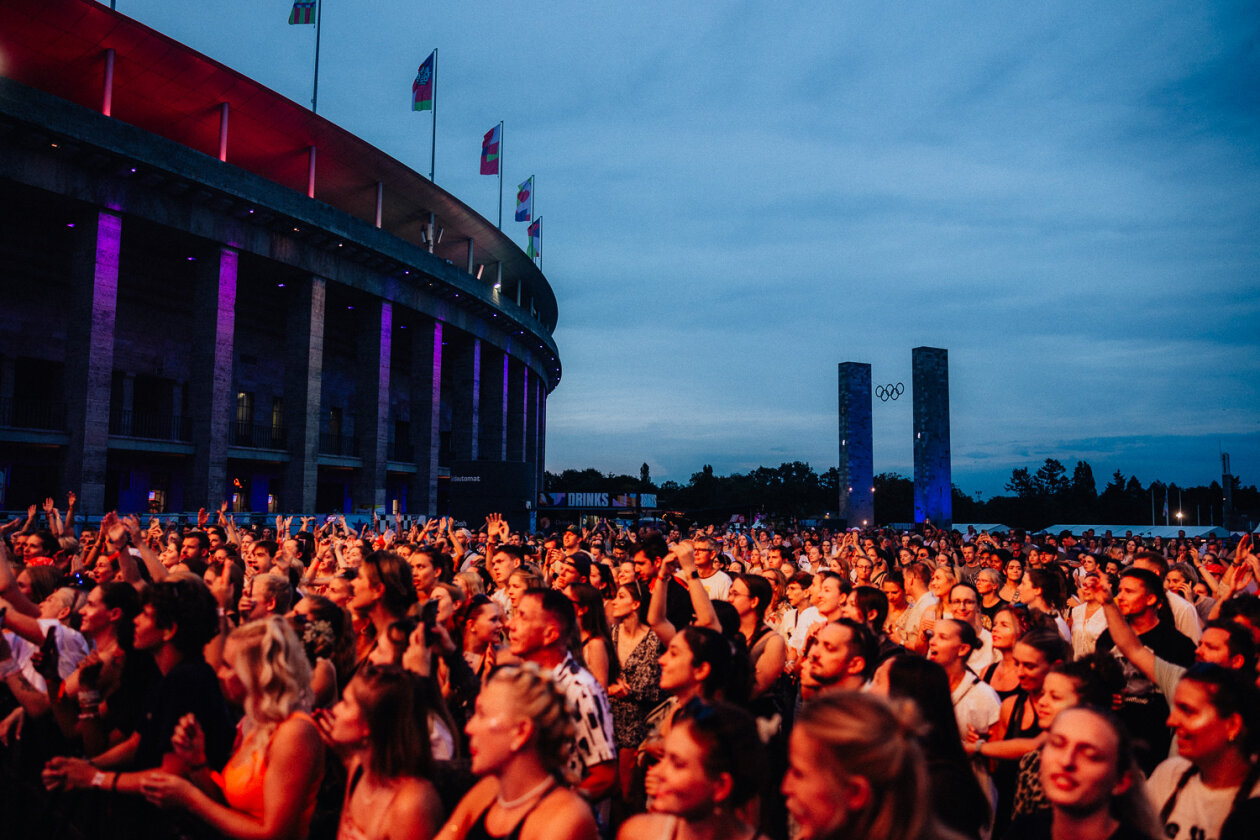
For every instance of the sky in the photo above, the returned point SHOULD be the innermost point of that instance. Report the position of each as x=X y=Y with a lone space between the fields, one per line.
x=739 y=196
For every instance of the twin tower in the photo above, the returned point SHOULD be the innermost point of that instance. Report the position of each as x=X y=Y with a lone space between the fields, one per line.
x=932 y=483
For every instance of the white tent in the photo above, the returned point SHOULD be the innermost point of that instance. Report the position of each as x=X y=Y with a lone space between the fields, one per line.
x=1165 y=531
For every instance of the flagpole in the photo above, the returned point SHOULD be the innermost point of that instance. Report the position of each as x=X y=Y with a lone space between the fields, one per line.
x=433 y=142
x=319 y=16
x=500 y=174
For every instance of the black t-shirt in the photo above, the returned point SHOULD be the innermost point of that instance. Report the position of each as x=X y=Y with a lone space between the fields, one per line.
x=188 y=687
x=1038 y=827
x=139 y=677
x=1145 y=709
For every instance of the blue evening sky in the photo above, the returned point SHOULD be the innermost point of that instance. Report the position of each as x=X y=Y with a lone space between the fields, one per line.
x=737 y=196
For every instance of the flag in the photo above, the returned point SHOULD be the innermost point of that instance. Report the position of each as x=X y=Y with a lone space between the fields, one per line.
x=303 y=12
x=422 y=87
x=535 y=240
x=490 y=151
x=525 y=200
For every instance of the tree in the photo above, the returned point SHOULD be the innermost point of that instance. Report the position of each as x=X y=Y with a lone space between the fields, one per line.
x=645 y=476
x=1083 y=486
x=1051 y=478
x=1022 y=484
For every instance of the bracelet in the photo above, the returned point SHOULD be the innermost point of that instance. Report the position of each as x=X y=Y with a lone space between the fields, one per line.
x=98 y=780
x=113 y=787
x=193 y=768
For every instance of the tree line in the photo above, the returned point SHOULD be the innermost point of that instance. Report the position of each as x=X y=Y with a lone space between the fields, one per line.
x=1034 y=498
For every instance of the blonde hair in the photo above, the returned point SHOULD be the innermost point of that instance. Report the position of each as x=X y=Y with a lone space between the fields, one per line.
x=536 y=697
x=865 y=736
x=273 y=667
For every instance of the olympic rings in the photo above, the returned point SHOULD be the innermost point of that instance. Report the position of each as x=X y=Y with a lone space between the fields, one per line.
x=889 y=391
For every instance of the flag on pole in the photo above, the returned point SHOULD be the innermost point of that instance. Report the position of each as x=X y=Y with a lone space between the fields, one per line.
x=490 y=152
x=303 y=12
x=422 y=87
x=535 y=240
x=525 y=200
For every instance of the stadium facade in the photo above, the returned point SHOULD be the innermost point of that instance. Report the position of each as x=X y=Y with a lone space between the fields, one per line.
x=211 y=293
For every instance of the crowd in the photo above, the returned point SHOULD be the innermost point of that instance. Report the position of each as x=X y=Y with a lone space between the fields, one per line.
x=311 y=679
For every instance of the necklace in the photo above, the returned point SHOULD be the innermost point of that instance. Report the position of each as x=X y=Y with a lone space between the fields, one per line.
x=509 y=804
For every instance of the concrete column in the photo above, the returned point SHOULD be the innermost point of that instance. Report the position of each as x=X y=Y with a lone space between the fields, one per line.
x=211 y=396
x=372 y=400
x=857 y=469
x=465 y=373
x=492 y=414
x=932 y=473
x=93 y=307
x=516 y=410
x=128 y=407
x=303 y=373
x=426 y=413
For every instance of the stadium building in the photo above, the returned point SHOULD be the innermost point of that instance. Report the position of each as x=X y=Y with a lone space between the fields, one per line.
x=211 y=293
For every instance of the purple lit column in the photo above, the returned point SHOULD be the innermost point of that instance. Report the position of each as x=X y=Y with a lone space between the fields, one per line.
x=210 y=387
x=426 y=414
x=531 y=430
x=303 y=375
x=89 y=365
x=373 y=402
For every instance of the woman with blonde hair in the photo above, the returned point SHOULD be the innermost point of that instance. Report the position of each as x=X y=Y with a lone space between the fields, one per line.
x=267 y=788
x=856 y=770
x=519 y=739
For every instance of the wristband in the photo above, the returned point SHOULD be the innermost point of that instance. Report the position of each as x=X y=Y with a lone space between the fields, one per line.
x=113 y=786
x=98 y=780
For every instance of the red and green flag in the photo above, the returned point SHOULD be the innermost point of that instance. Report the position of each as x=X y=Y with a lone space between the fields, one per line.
x=422 y=87
x=535 y=239
x=525 y=200
x=303 y=12
x=490 y=150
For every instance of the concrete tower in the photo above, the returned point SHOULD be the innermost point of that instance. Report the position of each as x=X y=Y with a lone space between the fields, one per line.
x=932 y=480
x=857 y=502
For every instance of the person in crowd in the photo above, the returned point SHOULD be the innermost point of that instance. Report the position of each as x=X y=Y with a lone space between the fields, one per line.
x=1017 y=729
x=987 y=583
x=426 y=570
x=520 y=581
x=636 y=691
x=383 y=595
x=539 y=632
x=101 y=698
x=1041 y=590
x=176 y=621
x=964 y=605
x=267 y=788
x=378 y=730
x=1013 y=569
x=711 y=767
x=1092 y=681
x=598 y=652
x=482 y=624
x=1092 y=781
x=520 y=738
x=1009 y=626
x=798 y=617
x=1086 y=618
x=750 y=595
x=1210 y=789
x=842 y=656
x=959 y=800
x=976 y=705
x=324 y=629
x=1140 y=598
x=856 y=770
